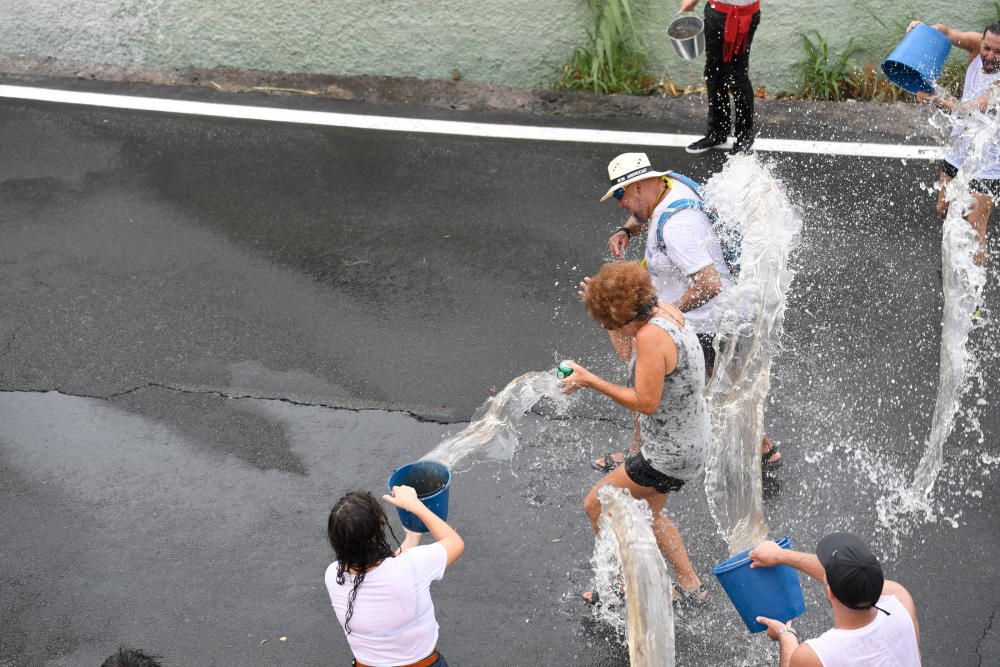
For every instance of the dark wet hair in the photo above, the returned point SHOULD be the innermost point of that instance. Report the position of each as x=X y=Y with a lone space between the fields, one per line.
x=993 y=28
x=356 y=530
x=131 y=657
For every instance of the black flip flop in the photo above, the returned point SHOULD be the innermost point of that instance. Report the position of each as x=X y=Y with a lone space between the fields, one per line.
x=609 y=463
x=595 y=601
x=767 y=467
x=691 y=600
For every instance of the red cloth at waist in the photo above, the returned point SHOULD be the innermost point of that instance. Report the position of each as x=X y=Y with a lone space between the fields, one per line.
x=736 y=37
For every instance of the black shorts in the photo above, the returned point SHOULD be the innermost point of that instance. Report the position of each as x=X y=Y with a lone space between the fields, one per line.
x=984 y=186
x=708 y=350
x=642 y=473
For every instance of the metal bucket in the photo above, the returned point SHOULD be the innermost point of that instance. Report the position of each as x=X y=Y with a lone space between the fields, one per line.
x=687 y=32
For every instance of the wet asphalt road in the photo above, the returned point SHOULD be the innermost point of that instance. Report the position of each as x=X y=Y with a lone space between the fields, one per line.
x=212 y=328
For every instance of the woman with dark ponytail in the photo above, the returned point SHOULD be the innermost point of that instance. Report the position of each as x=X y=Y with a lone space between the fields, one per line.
x=382 y=596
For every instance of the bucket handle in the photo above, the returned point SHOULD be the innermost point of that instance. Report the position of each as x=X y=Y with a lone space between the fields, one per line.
x=679 y=14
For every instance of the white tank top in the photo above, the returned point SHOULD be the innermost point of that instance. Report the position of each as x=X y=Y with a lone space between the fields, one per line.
x=888 y=641
x=976 y=83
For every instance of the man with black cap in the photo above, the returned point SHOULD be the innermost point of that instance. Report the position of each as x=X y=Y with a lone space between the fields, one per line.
x=874 y=620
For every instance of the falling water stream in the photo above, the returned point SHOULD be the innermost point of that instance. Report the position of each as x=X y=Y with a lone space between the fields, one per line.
x=492 y=433
x=963 y=284
x=626 y=545
x=747 y=197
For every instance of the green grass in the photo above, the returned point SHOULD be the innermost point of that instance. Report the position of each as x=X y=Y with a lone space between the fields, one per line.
x=613 y=59
x=824 y=77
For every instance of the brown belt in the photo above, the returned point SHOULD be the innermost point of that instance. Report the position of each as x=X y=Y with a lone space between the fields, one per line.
x=426 y=662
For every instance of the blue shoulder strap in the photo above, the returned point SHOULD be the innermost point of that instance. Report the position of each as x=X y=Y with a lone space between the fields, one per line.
x=698 y=190
x=674 y=207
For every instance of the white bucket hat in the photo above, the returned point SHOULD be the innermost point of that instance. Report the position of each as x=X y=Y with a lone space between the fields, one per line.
x=628 y=168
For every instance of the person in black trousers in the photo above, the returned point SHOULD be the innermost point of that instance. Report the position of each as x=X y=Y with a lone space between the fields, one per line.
x=729 y=31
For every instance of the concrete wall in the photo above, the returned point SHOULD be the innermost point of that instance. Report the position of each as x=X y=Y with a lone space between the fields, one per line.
x=516 y=42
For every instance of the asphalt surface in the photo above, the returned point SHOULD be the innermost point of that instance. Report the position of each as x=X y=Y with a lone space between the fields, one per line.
x=213 y=328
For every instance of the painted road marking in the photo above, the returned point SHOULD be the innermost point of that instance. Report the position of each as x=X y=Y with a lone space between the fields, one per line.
x=460 y=128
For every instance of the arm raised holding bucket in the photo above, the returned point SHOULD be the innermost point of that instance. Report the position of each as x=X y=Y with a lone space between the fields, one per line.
x=405 y=497
x=970 y=41
x=874 y=620
x=981 y=158
x=380 y=595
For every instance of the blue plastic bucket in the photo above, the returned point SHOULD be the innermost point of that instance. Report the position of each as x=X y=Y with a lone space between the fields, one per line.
x=917 y=61
x=773 y=592
x=431 y=480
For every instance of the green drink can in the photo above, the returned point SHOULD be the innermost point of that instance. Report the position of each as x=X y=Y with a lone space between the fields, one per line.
x=563 y=370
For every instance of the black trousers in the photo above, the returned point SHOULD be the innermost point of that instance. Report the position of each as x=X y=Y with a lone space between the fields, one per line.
x=724 y=78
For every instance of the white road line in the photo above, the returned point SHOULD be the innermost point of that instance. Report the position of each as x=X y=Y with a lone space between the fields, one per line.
x=491 y=130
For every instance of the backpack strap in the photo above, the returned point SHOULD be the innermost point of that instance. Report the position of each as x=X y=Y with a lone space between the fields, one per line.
x=691 y=183
x=674 y=207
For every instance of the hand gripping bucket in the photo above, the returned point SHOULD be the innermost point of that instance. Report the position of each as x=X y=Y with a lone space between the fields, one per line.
x=431 y=480
x=917 y=61
x=773 y=592
x=687 y=32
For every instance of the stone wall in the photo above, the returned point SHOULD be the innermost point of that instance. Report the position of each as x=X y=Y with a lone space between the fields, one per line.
x=514 y=42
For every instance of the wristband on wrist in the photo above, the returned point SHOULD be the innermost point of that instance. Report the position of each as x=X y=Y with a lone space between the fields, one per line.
x=787 y=628
x=625 y=229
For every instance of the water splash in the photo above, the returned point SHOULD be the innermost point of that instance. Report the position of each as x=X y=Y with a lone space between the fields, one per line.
x=626 y=550
x=492 y=433
x=747 y=197
x=963 y=283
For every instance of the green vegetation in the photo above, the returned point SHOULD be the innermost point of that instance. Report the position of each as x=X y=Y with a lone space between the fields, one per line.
x=613 y=60
x=824 y=78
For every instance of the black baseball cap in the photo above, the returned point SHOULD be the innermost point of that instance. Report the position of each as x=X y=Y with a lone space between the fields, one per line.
x=852 y=571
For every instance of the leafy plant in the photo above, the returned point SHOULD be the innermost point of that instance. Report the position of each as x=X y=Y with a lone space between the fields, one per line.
x=613 y=60
x=952 y=78
x=823 y=78
x=869 y=83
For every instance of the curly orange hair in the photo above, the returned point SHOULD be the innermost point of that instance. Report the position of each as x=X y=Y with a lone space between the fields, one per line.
x=619 y=293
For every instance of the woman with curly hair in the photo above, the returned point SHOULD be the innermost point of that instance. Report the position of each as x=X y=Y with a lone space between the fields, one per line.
x=666 y=378
x=381 y=596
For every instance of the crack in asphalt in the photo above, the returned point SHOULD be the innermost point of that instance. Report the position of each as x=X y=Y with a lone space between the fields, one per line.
x=982 y=637
x=427 y=416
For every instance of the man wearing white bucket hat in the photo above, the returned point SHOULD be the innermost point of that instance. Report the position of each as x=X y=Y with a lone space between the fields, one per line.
x=683 y=255
x=729 y=31
x=982 y=78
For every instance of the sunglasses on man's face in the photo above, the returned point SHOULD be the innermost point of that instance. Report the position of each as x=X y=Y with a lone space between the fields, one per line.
x=618 y=194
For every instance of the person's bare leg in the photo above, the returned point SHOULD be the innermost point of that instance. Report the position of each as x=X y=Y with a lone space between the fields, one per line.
x=979 y=218
x=942 y=204
x=668 y=538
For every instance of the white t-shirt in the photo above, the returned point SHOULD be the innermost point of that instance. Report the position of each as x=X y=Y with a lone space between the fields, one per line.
x=691 y=245
x=888 y=641
x=393 y=621
x=976 y=83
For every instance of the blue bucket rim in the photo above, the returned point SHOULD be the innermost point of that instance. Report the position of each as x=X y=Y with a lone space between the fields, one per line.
x=444 y=488
x=742 y=558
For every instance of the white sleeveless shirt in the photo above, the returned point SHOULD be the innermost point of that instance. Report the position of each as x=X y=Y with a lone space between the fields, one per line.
x=888 y=641
x=976 y=83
